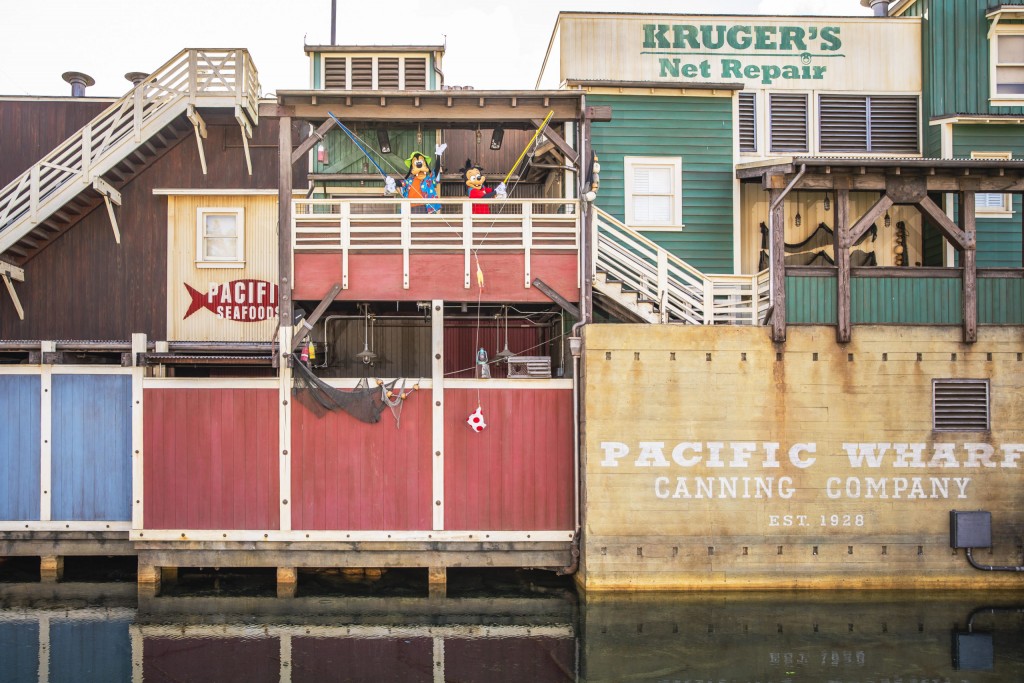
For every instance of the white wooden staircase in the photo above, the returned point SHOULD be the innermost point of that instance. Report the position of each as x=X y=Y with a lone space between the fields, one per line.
x=639 y=281
x=91 y=166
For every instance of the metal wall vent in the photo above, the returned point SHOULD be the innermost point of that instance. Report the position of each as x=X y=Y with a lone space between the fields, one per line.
x=960 y=405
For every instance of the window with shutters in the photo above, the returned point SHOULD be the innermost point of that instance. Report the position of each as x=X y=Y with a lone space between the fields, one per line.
x=220 y=237
x=1007 y=59
x=788 y=122
x=993 y=204
x=748 y=121
x=960 y=405
x=380 y=73
x=868 y=124
x=653 y=192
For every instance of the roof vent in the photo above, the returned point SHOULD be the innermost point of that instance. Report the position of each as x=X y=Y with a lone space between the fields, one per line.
x=136 y=77
x=881 y=7
x=79 y=82
x=960 y=405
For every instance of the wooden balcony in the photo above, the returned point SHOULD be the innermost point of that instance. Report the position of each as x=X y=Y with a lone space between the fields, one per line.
x=380 y=248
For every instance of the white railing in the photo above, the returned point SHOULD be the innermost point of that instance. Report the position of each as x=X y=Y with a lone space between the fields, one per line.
x=207 y=78
x=383 y=224
x=682 y=293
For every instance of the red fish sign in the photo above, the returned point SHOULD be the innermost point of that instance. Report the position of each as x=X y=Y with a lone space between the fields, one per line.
x=247 y=301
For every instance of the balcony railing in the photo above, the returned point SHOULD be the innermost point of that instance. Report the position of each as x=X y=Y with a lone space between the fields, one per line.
x=382 y=225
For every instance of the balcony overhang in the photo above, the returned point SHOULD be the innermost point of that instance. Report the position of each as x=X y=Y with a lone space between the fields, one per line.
x=876 y=174
x=440 y=108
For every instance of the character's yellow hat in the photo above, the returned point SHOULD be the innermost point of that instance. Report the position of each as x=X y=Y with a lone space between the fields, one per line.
x=408 y=162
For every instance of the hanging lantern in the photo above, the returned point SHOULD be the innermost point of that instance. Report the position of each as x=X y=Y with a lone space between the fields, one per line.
x=887 y=220
x=366 y=355
x=796 y=219
x=505 y=353
x=828 y=204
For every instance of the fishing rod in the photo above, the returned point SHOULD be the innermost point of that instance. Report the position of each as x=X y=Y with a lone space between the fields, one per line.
x=356 y=142
x=543 y=125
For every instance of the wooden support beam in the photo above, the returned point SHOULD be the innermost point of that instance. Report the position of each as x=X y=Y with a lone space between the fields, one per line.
x=948 y=228
x=313 y=139
x=200 y=128
x=777 y=227
x=556 y=139
x=246 y=128
x=966 y=219
x=9 y=272
x=843 y=240
x=550 y=293
x=110 y=197
x=602 y=114
x=284 y=222
x=878 y=210
x=304 y=327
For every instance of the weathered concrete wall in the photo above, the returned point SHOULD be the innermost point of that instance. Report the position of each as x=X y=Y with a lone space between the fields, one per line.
x=715 y=459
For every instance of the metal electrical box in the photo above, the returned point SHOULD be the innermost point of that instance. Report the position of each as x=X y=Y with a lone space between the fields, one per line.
x=970 y=529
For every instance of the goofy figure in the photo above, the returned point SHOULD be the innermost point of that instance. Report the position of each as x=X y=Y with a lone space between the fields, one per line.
x=475 y=180
x=419 y=182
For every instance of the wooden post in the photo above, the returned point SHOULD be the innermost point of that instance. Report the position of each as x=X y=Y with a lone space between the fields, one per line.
x=287 y=582
x=777 y=223
x=284 y=221
x=51 y=568
x=438 y=582
x=970 y=265
x=841 y=252
x=149 y=577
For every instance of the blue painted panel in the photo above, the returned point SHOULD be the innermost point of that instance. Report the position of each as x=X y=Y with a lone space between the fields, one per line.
x=90 y=651
x=19 y=447
x=92 y=441
x=20 y=658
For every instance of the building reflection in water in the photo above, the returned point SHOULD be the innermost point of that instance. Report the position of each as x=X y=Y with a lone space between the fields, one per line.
x=99 y=632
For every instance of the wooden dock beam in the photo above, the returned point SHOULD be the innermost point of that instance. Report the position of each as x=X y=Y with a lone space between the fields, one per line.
x=437 y=582
x=149 y=578
x=287 y=582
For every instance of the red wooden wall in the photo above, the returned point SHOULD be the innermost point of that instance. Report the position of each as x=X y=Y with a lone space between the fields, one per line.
x=518 y=473
x=210 y=459
x=381 y=660
x=352 y=475
x=246 y=660
x=378 y=277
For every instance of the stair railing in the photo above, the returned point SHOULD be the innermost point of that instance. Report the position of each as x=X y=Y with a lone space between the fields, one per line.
x=209 y=77
x=683 y=293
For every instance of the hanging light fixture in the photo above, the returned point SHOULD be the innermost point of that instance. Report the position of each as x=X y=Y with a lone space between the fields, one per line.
x=505 y=352
x=887 y=220
x=366 y=355
x=828 y=204
x=796 y=219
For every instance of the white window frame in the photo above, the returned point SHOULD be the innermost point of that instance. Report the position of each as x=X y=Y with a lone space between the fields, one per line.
x=1006 y=210
x=676 y=166
x=995 y=98
x=235 y=261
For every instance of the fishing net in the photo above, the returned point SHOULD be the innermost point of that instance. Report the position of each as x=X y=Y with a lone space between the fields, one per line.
x=816 y=249
x=364 y=403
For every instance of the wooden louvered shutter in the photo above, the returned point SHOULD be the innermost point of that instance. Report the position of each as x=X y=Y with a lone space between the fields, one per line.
x=387 y=73
x=362 y=73
x=748 y=122
x=415 y=73
x=893 y=125
x=334 y=73
x=843 y=121
x=788 y=122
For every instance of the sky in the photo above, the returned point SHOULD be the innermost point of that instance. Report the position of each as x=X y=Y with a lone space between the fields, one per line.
x=490 y=45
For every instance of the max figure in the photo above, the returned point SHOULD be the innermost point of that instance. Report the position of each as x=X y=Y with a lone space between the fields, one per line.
x=419 y=182
x=475 y=180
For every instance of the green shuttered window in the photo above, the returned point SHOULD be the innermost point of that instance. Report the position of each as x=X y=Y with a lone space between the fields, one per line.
x=868 y=124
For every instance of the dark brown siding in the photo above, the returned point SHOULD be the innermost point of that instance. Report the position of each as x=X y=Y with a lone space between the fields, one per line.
x=85 y=286
x=29 y=129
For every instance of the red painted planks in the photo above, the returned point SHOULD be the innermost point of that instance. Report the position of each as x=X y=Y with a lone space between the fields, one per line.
x=516 y=475
x=350 y=475
x=382 y=660
x=253 y=660
x=375 y=277
x=210 y=459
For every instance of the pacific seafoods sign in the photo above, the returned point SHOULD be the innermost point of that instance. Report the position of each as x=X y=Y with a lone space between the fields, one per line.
x=847 y=54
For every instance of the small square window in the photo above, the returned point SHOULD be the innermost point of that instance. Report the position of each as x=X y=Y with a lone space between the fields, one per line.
x=220 y=238
x=993 y=204
x=653 y=192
